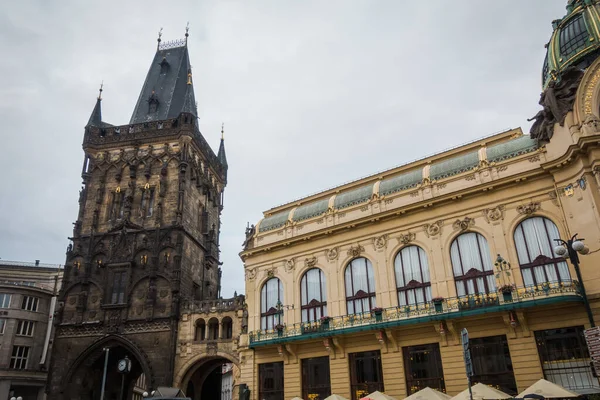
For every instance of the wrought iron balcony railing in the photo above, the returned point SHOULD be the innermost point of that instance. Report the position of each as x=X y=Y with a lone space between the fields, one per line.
x=436 y=310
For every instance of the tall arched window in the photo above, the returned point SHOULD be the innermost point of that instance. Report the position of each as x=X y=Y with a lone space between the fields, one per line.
x=472 y=265
x=360 y=286
x=270 y=295
x=534 y=240
x=412 y=276
x=314 y=295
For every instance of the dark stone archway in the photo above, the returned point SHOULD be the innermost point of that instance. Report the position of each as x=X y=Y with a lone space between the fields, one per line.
x=203 y=380
x=84 y=380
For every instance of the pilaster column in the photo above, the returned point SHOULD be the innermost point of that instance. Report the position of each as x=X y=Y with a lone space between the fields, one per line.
x=220 y=329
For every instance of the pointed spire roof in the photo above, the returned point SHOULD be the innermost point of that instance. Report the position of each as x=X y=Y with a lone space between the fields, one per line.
x=166 y=84
x=221 y=155
x=96 y=117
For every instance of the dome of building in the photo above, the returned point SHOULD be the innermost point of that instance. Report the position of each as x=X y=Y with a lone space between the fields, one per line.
x=575 y=40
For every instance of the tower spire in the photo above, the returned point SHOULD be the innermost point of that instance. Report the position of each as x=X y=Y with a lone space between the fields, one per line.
x=158 y=40
x=187 y=30
x=96 y=117
x=221 y=155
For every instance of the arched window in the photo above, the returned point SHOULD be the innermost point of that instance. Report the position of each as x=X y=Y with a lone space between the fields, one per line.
x=213 y=329
x=227 y=328
x=314 y=295
x=472 y=265
x=534 y=240
x=360 y=286
x=200 y=330
x=412 y=276
x=270 y=295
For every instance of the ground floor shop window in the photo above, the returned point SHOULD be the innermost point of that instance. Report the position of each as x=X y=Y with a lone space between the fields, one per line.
x=366 y=375
x=565 y=359
x=315 y=378
x=492 y=364
x=270 y=377
x=423 y=368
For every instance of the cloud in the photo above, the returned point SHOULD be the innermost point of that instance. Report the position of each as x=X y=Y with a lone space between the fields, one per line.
x=312 y=93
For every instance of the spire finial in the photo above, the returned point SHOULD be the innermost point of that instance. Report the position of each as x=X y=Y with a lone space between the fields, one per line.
x=187 y=30
x=222 y=130
x=100 y=91
x=158 y=40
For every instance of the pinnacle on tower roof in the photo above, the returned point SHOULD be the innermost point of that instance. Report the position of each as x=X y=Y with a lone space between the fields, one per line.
x=96 y=117
x=221 y=155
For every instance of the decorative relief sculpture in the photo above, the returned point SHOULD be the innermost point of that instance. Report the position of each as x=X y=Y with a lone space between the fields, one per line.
x=433 y=229
x=250 y=231
x=591 y=125
x=406 y=238
x=494 y=214
x=310 y=262
x=332 y=254
x=464 y=224
x=380 y=242
x=527 y=209
x=557 y=100
x=250 y=274
x=271 y=272
x=289 y=265
x=355 y=251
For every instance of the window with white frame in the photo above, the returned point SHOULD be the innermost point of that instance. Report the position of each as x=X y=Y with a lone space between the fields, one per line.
x=472 y=264
x=5 y=300
x=270 y=295
x=2 y=325
x=25 y=328
x=412 y=276
x=30 y=303
x=360 y=286
x=313 y=291
x=534 y=240
x=18 y=360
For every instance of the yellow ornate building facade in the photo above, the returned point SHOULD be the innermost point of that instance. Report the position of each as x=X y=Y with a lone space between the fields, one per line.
x=367 y=286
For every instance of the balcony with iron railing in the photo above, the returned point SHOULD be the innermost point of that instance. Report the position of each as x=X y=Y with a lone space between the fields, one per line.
x=437 y=310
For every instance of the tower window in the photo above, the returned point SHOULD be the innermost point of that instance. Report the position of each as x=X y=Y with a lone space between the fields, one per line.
x=573 y=36
x=118 y=288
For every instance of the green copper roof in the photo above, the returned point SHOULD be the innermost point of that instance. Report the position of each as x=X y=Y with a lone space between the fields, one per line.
x=401 y=182
x=352 y=197
x=454 y=166
x=516 y=147
x=575 y=40
x=310 y=210
x=274 y=221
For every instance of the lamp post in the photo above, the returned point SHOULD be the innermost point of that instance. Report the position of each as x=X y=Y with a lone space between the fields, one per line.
x=571 y=249
x=16 y=398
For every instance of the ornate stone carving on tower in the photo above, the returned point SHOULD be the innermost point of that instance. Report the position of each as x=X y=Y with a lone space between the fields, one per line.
x=146 y=236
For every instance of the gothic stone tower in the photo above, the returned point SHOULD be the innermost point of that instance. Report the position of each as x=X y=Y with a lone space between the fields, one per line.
x=146 y=237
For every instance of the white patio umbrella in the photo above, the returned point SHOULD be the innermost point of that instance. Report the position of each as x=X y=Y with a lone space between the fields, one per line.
x=428 y=394
x=481 y=391
x=335 y=397
x=548 y=390
x=377 y=395
x=296 y=398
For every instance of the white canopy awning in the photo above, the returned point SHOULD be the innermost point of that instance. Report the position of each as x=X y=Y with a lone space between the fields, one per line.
x=548 y=390
x=335 y=397
x=377 y=395
x=481 y=391
x=428 y=394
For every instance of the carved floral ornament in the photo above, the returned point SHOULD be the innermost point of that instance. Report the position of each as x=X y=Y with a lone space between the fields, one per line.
x=527 y=209
x=355 y=251
x=406 y=238
x=433 y=229
x=380 y=242
x=310 y=262
x=332 y=254
x=289 y=265
x=463 y=224
x=494 y=214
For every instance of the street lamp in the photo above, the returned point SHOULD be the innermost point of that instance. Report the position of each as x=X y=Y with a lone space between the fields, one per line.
x=569 y=250
x=16 y=398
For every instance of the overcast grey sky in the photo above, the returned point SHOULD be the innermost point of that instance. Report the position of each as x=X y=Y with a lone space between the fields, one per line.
x=312 y=94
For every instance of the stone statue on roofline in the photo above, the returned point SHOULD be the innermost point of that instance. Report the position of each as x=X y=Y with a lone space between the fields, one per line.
x=557 y=100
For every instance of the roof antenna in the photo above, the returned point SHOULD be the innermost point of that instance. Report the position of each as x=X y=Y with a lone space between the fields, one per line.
x=158 y=40
x=187 y=29
x=222 y=130
x=100 y=91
